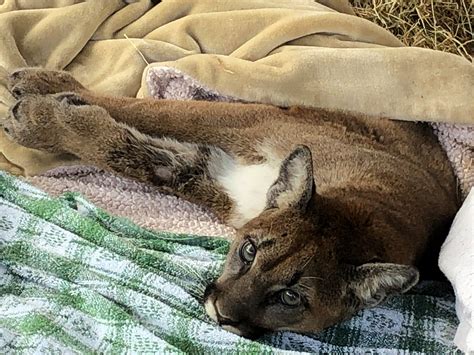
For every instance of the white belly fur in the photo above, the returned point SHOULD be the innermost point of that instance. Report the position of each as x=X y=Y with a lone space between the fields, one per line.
x=247 y=186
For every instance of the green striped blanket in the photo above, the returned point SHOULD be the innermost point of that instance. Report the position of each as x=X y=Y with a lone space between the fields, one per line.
x=74 y=279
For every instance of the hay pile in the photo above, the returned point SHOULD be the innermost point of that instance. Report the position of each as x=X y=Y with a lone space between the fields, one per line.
x=445 y=25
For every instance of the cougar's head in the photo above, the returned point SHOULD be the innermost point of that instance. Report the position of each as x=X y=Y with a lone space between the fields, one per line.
x=283 y=271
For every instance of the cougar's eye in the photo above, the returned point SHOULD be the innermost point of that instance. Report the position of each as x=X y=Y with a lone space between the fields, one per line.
x=247 y=252
x=290 y=298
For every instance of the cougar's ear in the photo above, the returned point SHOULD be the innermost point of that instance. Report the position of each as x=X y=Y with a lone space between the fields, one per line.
x=371 y=283
x=294 y=185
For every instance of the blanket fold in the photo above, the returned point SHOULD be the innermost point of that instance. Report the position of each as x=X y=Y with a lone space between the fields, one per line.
x=283 y=52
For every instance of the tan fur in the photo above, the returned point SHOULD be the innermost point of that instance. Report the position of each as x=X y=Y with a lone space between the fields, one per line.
x=382 y=197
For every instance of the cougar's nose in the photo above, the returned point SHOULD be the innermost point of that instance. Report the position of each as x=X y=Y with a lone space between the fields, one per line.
x=209 y=290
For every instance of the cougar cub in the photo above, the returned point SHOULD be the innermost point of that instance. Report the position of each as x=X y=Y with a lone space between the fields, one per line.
x=334 y=211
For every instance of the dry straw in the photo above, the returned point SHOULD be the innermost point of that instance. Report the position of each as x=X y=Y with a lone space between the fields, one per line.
x=445 y=25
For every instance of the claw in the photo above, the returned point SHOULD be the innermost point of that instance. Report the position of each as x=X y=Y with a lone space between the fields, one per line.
x=17 y=93
x=16 y=74
x=71 y=99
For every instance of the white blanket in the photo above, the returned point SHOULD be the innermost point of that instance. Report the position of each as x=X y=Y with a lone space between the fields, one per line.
x=457 y=262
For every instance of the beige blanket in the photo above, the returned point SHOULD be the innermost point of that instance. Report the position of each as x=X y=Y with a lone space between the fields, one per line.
x=276 y=51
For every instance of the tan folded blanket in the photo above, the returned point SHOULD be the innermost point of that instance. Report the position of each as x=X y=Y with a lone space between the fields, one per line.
x=275 y=51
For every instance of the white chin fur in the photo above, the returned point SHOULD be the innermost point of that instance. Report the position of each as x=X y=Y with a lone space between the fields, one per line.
x=210 y=309
x=232 y=329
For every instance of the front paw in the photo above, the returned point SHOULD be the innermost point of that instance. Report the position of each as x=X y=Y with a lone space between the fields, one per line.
x=35 y=122
x=61 y=123
x=35 y=81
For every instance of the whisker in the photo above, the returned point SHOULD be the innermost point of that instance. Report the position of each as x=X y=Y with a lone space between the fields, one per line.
x=308 y=261
x=305 y=286
x=312 y=277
